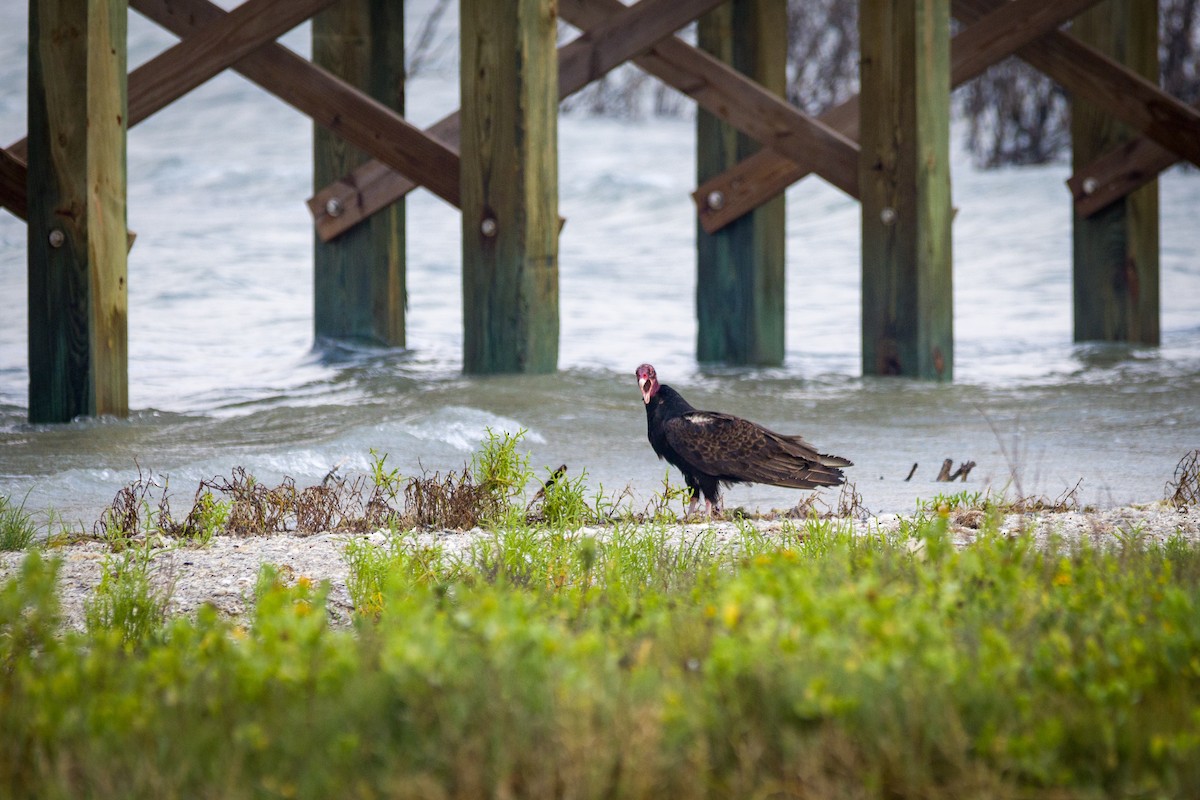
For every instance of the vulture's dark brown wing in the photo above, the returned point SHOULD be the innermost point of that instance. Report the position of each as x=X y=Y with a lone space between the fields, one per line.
x=736 y=449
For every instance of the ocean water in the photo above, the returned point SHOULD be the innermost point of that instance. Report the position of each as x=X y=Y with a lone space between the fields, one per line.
x=223 y=370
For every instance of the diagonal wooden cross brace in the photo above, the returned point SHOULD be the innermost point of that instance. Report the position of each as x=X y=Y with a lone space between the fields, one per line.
x=244 y=40
x=632 y=30
x=734 y=98
x=210 y=49
x=13 y=177
x=997 y=29
x=765 y=174
x=1123 y=93
x=1119 y=172
x=1170 y=128
x=179 y=69
x=352 y=114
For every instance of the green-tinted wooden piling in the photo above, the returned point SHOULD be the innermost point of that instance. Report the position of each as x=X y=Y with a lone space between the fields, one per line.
x=509 y=158
x=907 y=310
x=359 y=277
x=740 y=269
x=78 y=340
x=1116 y=257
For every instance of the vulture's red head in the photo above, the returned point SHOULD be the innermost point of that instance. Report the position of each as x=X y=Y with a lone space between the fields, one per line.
x=647 y=382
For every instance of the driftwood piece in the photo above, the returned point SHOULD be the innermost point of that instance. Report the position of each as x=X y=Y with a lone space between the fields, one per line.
x=963 y=470
x=944 y=475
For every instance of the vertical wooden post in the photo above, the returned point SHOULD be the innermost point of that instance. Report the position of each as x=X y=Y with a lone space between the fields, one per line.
x=78 y=338
x=359 y=277
x=509 y=157
x=740 y=269
x=1116 y=259
x=907 y=310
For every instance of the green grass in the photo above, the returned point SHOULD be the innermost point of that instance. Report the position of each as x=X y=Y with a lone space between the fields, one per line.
x=16 y=526
x=127 y=603
x=815 y=663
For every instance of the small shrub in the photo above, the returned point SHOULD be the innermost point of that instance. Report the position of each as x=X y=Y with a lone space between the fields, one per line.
x=512 y=557
x=1067 y=501
x=127 y=599
x=502 y=473
x=255 y=507
x=206 y=519
x=129 y=515
x=953 y=502
x=368 y=566
x=1183 y=491
x=16 y=526
x=454 y=501
x=387 y=482
x=377 y=571
x=564 y=504
x=659 y=507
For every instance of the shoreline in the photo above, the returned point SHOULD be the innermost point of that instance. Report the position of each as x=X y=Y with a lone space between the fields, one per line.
x=223 y=573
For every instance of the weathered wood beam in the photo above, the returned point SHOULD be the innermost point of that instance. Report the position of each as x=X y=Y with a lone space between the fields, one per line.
x=509 y=185
x=740 y=269
x=186 y=65
x=76 y=190
x=359 y=279
x=356 y=117
x=13 y=176
x=1116 y=251
x=1005 y=29
x=1118 y=173
x=766 y=174
x=344 y=203
x=206 y=52
x=746 y=105
x=211 y=49
x=623 y=35
x=1103 y=81
x=907 y=299
x=374 y=185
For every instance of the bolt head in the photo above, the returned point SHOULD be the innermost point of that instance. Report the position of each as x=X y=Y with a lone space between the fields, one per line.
x=1090 y=185
x=488 y=227
x=888 y=216
x=715 y=200
x=57 y=238
x=334 y=207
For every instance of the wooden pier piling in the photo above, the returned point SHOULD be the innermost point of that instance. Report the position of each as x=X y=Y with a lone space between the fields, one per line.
x=496 y=161
x=78 y=340
x=509 y=182
x=1116 y=258
x=359 y=277
x=741 y=268
x=904 y=184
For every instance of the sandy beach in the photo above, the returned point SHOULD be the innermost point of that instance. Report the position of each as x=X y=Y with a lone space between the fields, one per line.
x=223 y=572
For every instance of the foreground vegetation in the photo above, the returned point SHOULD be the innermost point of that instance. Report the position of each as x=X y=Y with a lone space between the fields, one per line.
x=818 y=664
x=629 y=660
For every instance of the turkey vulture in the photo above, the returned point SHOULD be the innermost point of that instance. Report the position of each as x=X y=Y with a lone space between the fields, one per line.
x=711 y=448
